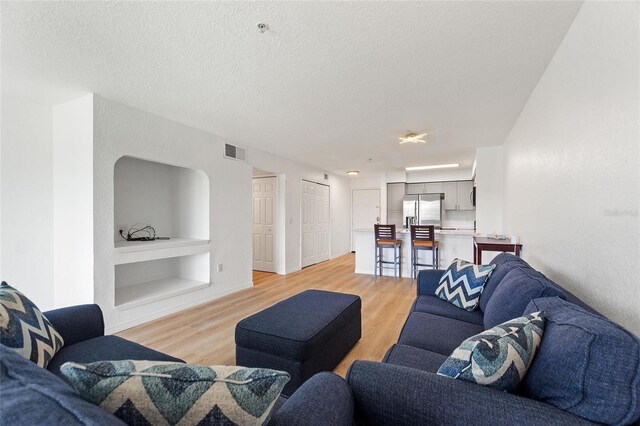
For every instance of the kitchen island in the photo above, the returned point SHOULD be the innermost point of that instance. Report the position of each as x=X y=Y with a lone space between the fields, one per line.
x=452 y=243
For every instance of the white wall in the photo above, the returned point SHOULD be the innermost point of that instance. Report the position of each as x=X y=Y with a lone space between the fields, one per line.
x=490 y=189
x=121 y=130
x=73 y=237
x=26 y=227
x=290 y=173
x=572 y=175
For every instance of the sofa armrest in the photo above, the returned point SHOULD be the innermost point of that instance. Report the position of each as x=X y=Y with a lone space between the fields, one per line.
x=428 y=281
x=386 y=394
x=324 y=399
x=77 y=323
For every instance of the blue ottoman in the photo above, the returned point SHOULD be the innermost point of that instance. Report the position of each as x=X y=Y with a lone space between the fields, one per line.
x=303 y=335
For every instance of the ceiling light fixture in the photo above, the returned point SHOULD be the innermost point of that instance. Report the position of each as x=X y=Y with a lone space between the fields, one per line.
x=353 y=172
x=439 y=166
x=412 y=138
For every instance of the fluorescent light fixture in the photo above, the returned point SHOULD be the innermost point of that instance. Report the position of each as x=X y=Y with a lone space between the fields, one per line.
x=439 y=166
x=353 y=172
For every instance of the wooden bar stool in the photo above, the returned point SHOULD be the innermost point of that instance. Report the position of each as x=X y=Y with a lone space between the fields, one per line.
x=386 y=238
x=423 y=238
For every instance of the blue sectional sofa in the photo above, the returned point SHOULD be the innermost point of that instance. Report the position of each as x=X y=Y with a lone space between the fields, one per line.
x=586 y=371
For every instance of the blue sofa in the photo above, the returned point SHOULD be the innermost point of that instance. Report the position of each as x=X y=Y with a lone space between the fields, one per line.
x=30 y=395
x=586 y=370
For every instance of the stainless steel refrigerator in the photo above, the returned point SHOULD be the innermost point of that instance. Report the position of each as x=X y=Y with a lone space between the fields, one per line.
x=423 y=209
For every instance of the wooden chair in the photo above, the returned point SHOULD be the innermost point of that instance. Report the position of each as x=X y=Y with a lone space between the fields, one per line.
x=386 y=238
x=423 y=238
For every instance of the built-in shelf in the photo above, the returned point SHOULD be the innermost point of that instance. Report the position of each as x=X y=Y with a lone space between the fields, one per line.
x=152 y=291
x=142 y=251
x=175 y=202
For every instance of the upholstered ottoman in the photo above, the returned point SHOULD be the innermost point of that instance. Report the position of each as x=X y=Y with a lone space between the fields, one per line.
x=303 y=335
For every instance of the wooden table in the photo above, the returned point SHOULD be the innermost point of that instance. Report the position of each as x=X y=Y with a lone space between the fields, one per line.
x=481 y=244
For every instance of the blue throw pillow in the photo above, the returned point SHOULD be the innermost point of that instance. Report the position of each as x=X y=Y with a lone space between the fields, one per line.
x=156 y=392
x=25 y=329
x=499 y=357
x=462 y=284
x=586 y=365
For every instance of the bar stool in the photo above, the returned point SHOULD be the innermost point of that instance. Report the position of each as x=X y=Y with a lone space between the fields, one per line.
x=423 y=238
x=386 y=238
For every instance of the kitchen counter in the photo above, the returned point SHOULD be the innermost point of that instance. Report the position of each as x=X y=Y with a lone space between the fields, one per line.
x=450 y=231
x=452 y=243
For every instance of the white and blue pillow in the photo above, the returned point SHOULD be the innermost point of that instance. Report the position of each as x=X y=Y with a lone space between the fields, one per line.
x=462 y=284
x=498 y=357
x=158 y=392
x=25 y=329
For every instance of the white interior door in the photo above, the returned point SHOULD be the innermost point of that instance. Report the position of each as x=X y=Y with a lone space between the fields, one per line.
x=264 y=204
x=316 y=225
x=365 y=210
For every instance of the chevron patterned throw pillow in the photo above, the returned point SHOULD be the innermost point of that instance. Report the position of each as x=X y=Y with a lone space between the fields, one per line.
x=25 y=329
x=156 y=393
x=462 y=284
x=498 y=357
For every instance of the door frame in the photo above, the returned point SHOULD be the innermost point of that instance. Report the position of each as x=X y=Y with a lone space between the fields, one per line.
x=276 y=223
x=328 y=185
x=351 y=222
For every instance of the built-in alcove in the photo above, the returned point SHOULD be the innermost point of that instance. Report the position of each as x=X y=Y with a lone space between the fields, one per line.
x=175 y=202
x=139 y=283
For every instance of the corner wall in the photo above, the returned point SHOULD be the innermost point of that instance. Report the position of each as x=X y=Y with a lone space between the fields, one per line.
x=572 y=175
x=26 y=173
x=490 y=194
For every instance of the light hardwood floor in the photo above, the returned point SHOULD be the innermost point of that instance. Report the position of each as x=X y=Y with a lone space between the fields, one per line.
x=204 y=334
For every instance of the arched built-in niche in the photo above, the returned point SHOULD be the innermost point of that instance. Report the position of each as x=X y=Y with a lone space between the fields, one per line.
x=175 y=202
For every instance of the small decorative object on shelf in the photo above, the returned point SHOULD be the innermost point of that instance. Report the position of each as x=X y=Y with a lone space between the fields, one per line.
x=496 y=237
x=141 y=233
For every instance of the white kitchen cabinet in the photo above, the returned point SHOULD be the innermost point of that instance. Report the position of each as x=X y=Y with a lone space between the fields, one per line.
x=465 y=189
x=433 y=188
x=450 y=190
x=395 y=194
x=457 y=195
x=415 y=188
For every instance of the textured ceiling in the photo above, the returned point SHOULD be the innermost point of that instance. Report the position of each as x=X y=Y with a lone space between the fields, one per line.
x=330 y=84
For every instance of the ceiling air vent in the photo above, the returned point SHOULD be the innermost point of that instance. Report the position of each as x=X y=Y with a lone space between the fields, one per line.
x=235 y=152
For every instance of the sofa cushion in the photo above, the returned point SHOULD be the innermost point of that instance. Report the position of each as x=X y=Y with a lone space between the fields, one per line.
x=30 y=395
x=435 y=333
x=586 y=365
x=504 y=262
x=105 y=348
x=498 y=357
x=410 y=356
x=25 y=329
x=435 y=305
x=519 y=287
x=462 y=283
x=156 y=392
